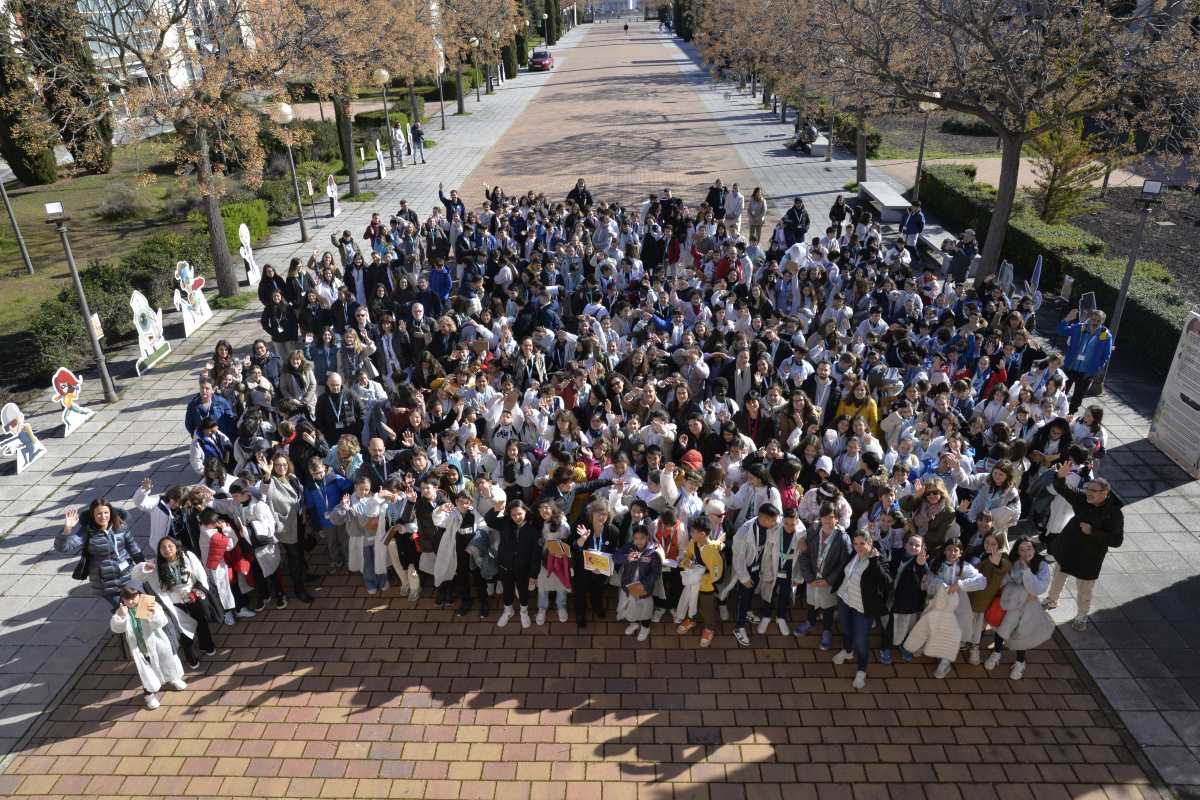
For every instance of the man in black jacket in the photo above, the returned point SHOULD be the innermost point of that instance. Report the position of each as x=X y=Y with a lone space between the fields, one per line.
x=822 y=390
x=1098 y=524
x=795 y=222
x=580 y=195
x=715 y=199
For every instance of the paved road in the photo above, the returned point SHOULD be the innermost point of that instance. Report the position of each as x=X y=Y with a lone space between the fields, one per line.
x=361 y=696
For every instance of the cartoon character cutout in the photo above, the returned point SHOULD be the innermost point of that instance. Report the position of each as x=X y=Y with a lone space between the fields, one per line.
x=17 y=437
x=189 y=298
x=67 y=386
x=253 y=271
x=152 y=344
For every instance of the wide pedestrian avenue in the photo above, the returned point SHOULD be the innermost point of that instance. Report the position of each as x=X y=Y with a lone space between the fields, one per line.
x=368 y=696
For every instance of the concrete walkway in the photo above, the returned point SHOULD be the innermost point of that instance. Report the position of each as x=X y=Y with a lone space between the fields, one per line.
x=359 y=696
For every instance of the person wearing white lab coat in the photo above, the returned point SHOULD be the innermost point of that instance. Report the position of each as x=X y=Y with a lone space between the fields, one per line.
x=160 y=508
x=150 y=645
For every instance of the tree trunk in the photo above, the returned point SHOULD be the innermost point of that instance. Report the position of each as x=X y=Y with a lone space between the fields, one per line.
x=462 y=105
x=227 y=279
x=1006 y=192
x=783 y=111
x=412 y=104
x=341 y=113
x=768 y=86
x=860 y=147
x=754 y=84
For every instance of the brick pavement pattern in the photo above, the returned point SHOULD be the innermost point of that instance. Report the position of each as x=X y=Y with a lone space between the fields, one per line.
x=358 y=696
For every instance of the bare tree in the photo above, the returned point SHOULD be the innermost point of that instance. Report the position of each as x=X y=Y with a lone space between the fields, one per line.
x=1023 y=68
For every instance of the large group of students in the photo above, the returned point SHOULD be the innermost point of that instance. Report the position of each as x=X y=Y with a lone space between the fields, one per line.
x=643 y=412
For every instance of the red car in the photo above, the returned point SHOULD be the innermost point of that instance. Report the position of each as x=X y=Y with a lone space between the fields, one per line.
x=541 y=60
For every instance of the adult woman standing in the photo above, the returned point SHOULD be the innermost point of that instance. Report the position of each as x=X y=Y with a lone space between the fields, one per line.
x=280 y=323
x=1025 y=625
x=757 y=209
x=105 y=543
x=997 y=494
x=822 y=563
x=283 y=493
x=862 y=599
x=930 y=513
x=298 y=383
x=178 y=577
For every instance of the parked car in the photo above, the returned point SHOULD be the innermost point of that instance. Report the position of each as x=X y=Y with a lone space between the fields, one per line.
x=541 y=60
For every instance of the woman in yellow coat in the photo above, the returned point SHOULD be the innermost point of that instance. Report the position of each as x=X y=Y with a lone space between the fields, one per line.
x=858 y=402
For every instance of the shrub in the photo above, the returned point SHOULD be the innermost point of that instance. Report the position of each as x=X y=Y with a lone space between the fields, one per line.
x=966 y=126
x=58 y=338
x=471 y=79
x=123 y=202
x=251 y=212
x=280 y=198
x=374 y=119
x=150 y=267
x=323 y=144
x=845 y=132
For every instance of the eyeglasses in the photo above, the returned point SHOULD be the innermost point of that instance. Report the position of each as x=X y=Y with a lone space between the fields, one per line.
x=933 y=494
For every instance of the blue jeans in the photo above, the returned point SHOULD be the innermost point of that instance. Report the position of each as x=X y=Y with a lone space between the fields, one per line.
x=560 y=600
x=745 y=598
x=418 y=145
x=856 y=628
x=372 y=580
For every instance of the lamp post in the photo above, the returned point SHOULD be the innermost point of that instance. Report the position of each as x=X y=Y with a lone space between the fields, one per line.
x=282 y=115
x=926 y=108
x=528 y=44
x=382 y=76
x=546 y=29
x=56 y=217
x=474 y=42
x=1151 y=190
x=12 y=219
x=441 y=67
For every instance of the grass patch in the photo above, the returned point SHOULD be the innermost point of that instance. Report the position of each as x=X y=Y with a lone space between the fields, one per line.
x=361 y=197
x=462 y=114
x=237 y=302
x=851 y=186
x=431 y=142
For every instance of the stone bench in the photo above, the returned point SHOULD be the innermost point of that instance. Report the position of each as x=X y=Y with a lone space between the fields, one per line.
x=890 y=204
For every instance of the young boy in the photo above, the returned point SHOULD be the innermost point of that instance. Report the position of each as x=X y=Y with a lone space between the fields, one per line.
x=701 y=553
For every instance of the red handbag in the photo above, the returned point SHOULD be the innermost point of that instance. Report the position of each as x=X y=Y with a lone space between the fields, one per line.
x=994 y=614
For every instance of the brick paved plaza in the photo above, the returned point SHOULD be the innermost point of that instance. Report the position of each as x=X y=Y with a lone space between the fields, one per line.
x=361 y=696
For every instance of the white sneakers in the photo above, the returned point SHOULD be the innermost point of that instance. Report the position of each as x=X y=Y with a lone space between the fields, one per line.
x=562 y=615
x=860 y=680
x=741 y=637
x=784 y=628
x=643 y=633
x=843 y=657
x=763 y=624
x=1017 y=672
x=414 y=594
x=505 y=616
x=178 y=685
x=245 y=613
x=632 y=628
x=229 y=618
x=525 y=621
x=973 y=656
x=723 y=612
x=541 y=616
x=943 y=669
x=992 y=660
x=658 y=614
x=152 y=701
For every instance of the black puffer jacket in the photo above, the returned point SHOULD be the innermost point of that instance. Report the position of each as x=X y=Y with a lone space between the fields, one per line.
x=109 y=550
x=520 y=548
x=1081 y=554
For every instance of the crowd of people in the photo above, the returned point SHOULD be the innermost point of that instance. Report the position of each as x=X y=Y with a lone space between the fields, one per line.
x=536 y=402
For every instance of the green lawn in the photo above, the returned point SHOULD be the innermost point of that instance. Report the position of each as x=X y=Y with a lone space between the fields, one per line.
x=148 y=164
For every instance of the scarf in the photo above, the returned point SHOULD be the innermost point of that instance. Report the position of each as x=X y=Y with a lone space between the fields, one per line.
x=138 y=635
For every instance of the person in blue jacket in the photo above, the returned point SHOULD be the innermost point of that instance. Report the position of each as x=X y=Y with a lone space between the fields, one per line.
x=440 y=280
x=1089 y=347
x=324 y=493
x=207 y=403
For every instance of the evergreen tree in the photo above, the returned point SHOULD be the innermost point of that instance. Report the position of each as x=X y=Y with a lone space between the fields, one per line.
x=26 y=138
x=75 y=95
x=1065 y=166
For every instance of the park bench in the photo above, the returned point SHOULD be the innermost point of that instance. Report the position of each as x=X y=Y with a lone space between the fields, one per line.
x=933 y=237
x=820 y=145
x=890 y=204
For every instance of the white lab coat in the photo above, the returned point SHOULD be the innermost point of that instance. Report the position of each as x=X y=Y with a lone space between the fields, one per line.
x=159 y=664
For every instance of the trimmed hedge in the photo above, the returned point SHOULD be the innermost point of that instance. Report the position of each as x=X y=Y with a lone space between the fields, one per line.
x=374 y=119
x=1155 y=310
x=966 y=126
x=251 y=212
x=57 y=331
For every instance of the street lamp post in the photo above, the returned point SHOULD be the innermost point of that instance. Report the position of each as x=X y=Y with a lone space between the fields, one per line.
x=546 y=29
x=382 y=76
x=1151 y=190
x=12 y=218
x=926 y=108
x=59 y=220
x=282 y=115
x=441 y=67
x=528 y=44
x=475 y=65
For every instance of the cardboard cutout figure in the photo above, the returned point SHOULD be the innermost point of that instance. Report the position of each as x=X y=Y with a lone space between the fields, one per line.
x=379 y=160
x=17 y=437
x=151 y=342
x=67 y=387
x=331 y=191
x=253 y=271
x=189 y=298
